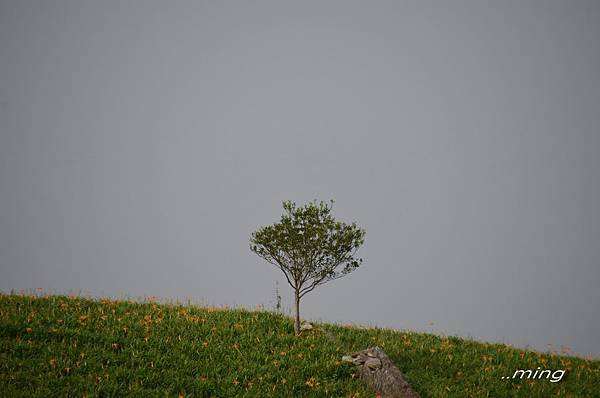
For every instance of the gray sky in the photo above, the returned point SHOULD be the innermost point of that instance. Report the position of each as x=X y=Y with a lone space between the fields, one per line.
x=142 y=142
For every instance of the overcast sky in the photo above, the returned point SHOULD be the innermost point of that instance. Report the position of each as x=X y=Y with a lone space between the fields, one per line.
x=142 y=142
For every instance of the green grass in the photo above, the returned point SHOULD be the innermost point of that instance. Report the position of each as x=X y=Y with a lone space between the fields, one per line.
x=60 y=346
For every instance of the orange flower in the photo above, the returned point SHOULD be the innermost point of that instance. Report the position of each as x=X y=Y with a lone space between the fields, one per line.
x=312 y=382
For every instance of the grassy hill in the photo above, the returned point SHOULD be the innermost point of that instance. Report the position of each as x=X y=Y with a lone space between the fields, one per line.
x=61 y=346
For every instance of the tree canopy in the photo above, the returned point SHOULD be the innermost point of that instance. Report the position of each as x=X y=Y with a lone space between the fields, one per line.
x=309 y=246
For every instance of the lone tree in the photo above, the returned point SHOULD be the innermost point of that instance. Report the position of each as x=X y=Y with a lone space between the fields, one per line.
x=310 y=247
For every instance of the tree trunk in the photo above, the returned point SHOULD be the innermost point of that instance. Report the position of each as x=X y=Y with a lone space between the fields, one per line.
x=297 y=320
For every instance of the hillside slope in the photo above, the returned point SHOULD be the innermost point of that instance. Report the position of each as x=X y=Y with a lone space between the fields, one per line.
x=61 y=346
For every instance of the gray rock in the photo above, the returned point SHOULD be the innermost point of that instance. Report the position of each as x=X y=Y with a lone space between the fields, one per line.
x=347 y=358
x=306 y=326
x=373 y=363
x=378 y=371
